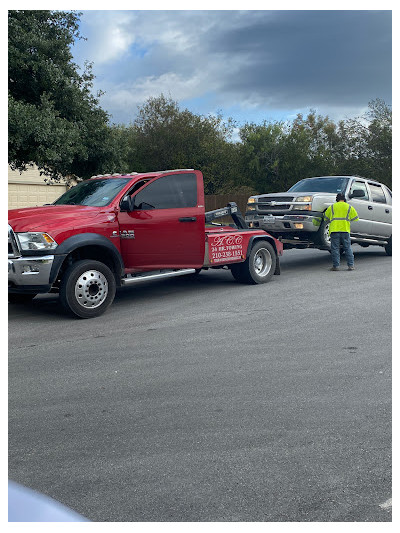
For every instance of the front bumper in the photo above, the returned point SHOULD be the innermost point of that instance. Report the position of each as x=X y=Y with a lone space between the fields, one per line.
x=30 y=274
x=285 y=223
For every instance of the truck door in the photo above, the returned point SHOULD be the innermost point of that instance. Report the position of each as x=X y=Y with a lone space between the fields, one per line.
x=362 y=205
x=166 y=227
x=381 y=211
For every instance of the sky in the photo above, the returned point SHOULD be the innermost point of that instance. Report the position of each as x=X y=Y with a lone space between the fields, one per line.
x=249 y=65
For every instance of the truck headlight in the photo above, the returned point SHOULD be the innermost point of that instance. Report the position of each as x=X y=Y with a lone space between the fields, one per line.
x=304 y=199
x=33 y=240
x=250 y=204
x=304 y=207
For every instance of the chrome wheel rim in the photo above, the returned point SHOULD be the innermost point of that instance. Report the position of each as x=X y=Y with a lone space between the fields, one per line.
x=326 y=234
x=262 y=262
x=91 y=289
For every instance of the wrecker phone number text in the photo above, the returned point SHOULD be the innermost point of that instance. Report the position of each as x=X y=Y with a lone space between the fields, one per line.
x=223 y=247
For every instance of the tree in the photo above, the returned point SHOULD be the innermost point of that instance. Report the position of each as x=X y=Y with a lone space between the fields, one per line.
x=276 y=155
x=309 y=148
x=165 y=137
x=261 y=154
x=366 y=143
x=54 y=120
x=380 y=140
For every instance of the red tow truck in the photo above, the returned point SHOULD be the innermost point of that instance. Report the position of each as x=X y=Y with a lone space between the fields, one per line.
x=115 y=230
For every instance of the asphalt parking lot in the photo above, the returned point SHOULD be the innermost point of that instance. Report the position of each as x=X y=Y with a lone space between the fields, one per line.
x=204 y=400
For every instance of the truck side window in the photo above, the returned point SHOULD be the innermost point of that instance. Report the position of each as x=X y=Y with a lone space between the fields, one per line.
x=377 y=193
x=186 y=188
x=173 y=191
x=359 y=186
x=388 y=195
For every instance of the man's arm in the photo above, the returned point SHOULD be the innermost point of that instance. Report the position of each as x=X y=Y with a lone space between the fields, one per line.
x=353 y=215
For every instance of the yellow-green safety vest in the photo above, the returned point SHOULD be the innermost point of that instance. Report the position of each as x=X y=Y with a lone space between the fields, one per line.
x=340 y=215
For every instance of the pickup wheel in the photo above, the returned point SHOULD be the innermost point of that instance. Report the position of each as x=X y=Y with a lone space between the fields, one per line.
x=18 y=298
x=388 y=247
x=87 y=288
x=322 y=237
x=259 y=267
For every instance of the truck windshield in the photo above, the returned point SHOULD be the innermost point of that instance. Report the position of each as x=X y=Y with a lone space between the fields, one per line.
x=96 y=193
x=333 y=184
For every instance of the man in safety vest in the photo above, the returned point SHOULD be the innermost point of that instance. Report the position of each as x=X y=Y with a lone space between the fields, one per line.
x=340 y=215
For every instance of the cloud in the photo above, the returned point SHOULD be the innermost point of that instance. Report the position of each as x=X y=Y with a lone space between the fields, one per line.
x=111 y=36
x=125 y=98
x=266 y=60
x=305 y=58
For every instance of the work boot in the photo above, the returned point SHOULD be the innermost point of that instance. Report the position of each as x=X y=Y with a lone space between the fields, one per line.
x=350 y=268
x=334 y=269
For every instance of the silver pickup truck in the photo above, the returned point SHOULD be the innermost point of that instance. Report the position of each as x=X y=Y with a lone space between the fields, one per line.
x=296 y=216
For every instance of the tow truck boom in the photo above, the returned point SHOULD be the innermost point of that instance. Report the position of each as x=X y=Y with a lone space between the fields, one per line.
x=231 y=210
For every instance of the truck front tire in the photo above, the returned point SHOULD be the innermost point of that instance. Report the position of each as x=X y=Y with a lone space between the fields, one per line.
x=322 y=237
x=259 y=266
x=87 y=288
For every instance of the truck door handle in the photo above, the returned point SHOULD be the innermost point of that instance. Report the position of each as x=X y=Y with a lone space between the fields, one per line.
x=370 y=207
x=387 y=211
x=188 y=219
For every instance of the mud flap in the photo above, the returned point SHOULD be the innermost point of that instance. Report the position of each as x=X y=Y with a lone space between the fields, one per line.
x=277 y=267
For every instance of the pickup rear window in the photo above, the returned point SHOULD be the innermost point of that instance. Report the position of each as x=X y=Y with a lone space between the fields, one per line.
x=95 y=193
x=377 y=193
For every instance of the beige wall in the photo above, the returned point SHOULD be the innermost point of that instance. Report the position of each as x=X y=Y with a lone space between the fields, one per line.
x=30 y=190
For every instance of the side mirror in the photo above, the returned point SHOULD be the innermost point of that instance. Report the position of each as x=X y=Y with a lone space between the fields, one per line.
x=126 y=204
x=358 y=193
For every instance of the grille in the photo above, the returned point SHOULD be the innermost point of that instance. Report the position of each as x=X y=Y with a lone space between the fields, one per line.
x=277 y=199
x=264 y=204
x=269 y=208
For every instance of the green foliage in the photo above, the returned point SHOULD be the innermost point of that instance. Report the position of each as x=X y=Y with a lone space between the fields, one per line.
x=165 y=137
x=261 y=154
x=54 y=120
x=366 y=143
x=277 y=155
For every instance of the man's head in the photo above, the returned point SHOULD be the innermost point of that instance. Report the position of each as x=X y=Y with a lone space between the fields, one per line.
x=340 y=197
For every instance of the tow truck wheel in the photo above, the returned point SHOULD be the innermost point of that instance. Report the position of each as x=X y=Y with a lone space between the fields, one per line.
x=87 y=288
x=259 y=267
